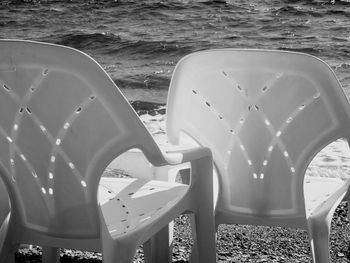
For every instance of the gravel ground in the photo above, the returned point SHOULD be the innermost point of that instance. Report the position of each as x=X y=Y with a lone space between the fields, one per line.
x=235 y=243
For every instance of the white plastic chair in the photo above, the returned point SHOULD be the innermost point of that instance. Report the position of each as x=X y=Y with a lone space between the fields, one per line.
x=264 y=115
x=62 y=121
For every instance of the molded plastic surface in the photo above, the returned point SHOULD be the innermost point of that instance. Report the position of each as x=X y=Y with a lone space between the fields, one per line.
x=264 y=115
x=4 y=203
x=62 y=121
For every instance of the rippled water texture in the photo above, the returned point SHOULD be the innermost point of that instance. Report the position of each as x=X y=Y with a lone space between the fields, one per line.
x=139 y=42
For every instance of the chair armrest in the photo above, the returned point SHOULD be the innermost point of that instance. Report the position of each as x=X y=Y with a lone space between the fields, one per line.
x=201 y=166
x=177 y=157
x=164 y=165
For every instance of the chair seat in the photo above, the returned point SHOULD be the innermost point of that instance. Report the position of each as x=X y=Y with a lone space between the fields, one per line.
x=318 y=189
x=127 y=203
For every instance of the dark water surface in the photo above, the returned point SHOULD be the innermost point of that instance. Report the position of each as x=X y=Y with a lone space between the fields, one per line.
x=139 y=42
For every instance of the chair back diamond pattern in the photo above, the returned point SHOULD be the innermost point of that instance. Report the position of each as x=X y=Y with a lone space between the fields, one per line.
x=57 y=134
x=264 y=115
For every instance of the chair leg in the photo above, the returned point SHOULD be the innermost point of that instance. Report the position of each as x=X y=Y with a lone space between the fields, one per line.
x=185 y=177
x=50 y=255
x=118 y=252
x=7 y=246
x=205 y=232
x=204 y=211
x=159 y=248
x=8 y=253
x=319 y=231
x=194 y=251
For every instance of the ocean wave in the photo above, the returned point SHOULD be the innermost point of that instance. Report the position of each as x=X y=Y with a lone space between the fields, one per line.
x=315 y=9
x=175 y=5
x=339 y=2
x=145 y=5
x=161 y=5
x=338 y=12
x=20 y=2
x=44 y=2
x=288 y=10
x=143 y=82
x=109 y=44
x=298 y=10
x=343 y=66
x=151 y=108
x=151 y=48
x=81 y=40
x=8 y=23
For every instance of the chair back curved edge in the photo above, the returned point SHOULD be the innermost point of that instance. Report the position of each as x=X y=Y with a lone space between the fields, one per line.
x=265 y=115
x=62 y=121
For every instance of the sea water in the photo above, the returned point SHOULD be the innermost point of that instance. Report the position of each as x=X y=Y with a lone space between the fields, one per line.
x=139 y=42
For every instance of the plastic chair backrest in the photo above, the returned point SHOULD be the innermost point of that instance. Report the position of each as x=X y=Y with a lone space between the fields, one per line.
x=264 y=114
x=62 y=120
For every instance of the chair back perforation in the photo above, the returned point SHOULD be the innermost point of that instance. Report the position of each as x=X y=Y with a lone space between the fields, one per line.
x=62 y=120
x=262 y=116
x=44 y=185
